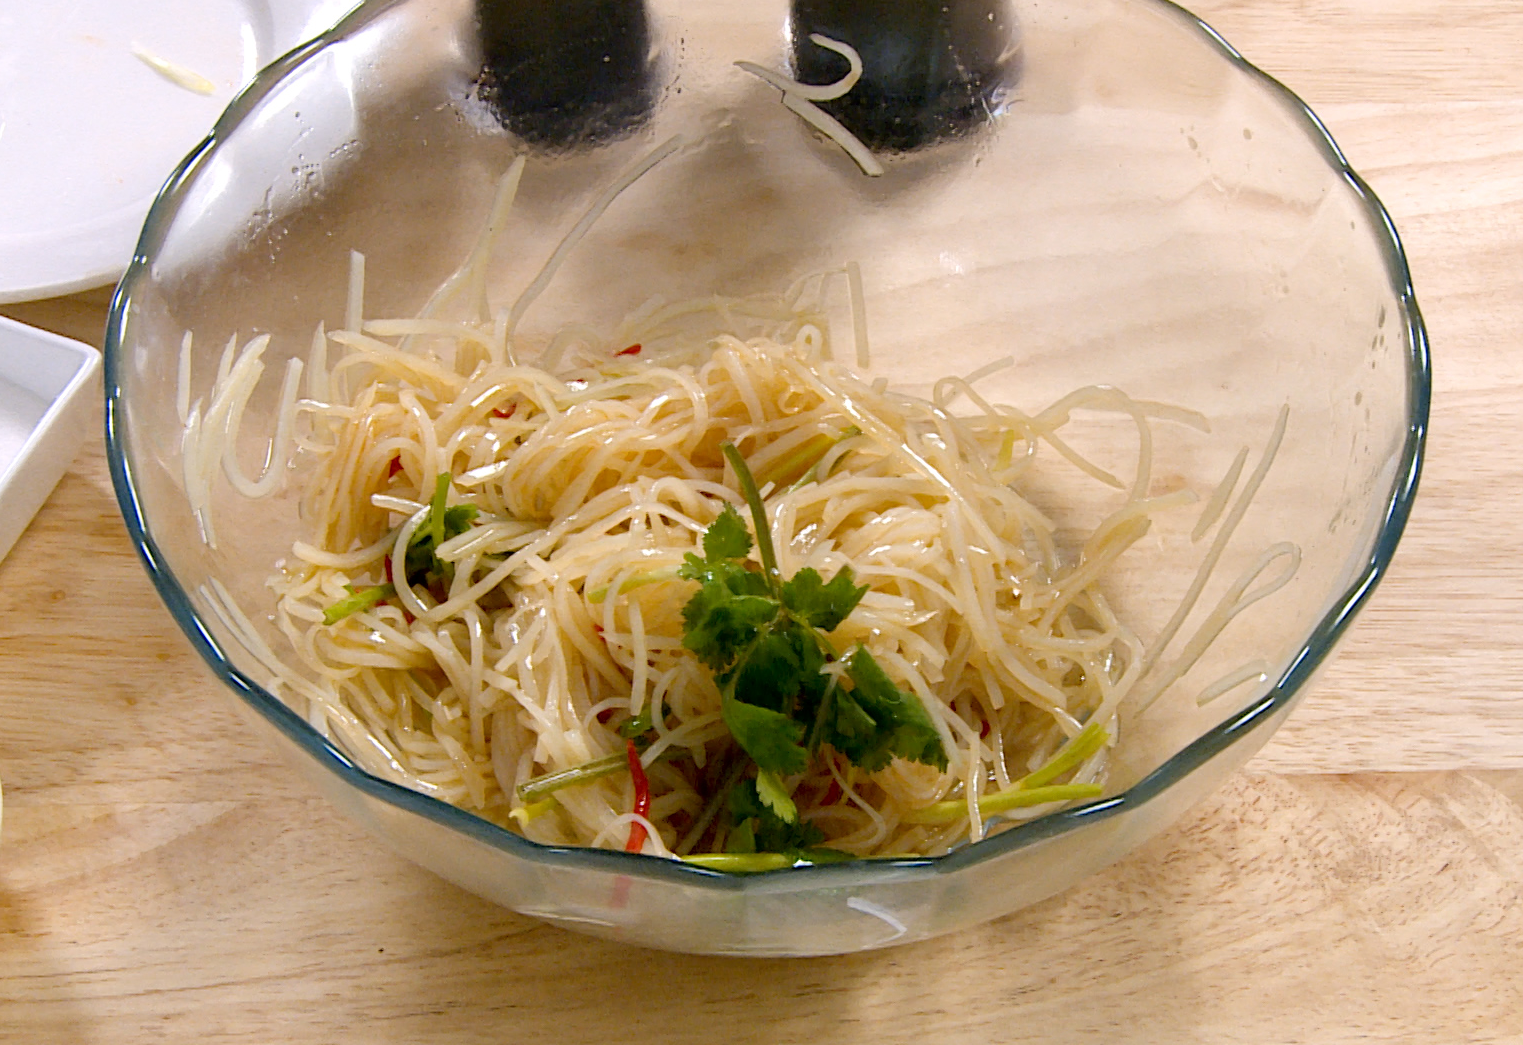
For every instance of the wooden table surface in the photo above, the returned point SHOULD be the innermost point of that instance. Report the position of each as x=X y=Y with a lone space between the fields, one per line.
x=163 y=880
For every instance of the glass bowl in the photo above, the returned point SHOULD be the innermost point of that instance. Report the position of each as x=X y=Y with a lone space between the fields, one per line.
x=1103 y=190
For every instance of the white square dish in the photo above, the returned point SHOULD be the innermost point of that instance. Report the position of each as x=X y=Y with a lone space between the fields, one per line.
x=48 y=389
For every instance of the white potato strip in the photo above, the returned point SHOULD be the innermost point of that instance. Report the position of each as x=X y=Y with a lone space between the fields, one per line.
x=1214 y=553
x=800 y=99
x=1253 y=671
x=580 y=229
x=471 y=276
x=1220 y=496
x=814 y=92
x=1236 y=599
x=858 y=314
x=174 y=72
x=836 y=131
x=354 y=310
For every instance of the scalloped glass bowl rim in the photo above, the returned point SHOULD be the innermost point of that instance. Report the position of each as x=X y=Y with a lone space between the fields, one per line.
x=1195 y=754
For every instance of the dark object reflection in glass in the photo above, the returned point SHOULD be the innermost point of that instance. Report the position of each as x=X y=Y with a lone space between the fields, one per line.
x=565 y=72
x=931 y=69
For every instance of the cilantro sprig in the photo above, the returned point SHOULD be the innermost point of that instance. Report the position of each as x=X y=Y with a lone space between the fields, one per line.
x=785 y=691
x=422 y=564
x=424 y=567
x=764 y=638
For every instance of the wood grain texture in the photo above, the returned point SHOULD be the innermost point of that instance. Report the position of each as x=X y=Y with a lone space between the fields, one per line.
x=1426 y=101
x=163 y=880
x=1287 y=909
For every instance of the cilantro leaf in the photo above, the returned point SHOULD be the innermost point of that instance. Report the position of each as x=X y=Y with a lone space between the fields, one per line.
x=775 y=797
x=770 y=737
x=726 y=543
x=768 y=675
x=727 y=537
x=823 y=605
x=875 y=720
x=727 y=612
x=765 y=831
x=781 y=671
x=731 y=576
x=722 y=572
x=719 y=624
x=727 y=577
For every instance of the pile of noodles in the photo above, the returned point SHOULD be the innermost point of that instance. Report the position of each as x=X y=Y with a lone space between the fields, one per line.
x=593 y=463
x=592 y=478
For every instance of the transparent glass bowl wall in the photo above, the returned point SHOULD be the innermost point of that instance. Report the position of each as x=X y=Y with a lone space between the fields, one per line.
x=1144 y=210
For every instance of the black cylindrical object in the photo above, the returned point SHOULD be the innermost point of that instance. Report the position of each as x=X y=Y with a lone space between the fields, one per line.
x=931 y=69
x=561 y=72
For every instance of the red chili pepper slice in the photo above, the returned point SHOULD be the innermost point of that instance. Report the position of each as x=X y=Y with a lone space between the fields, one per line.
x=637 y=832
x=498 y=411
x=632 y=350
x=833 y=794
x=395 y=466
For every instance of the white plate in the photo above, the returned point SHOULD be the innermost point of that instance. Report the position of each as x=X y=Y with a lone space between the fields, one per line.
x=89 y=130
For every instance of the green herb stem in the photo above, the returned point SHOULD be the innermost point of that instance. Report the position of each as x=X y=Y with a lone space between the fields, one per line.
x=1033 y=789
x=1018 y=798
x=523 y=814
x=632 y=582
x=1085 y=743
x=1002 y=801
x=716 y=802
x=542 y=786
x=752 y=863
x=436 y=508
x=823 y=712
x=752 y=495
x=357 y=602
x=804 y=461
x=639 y=725
x=813 y=474
x=744 y=863
x=804 y=457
